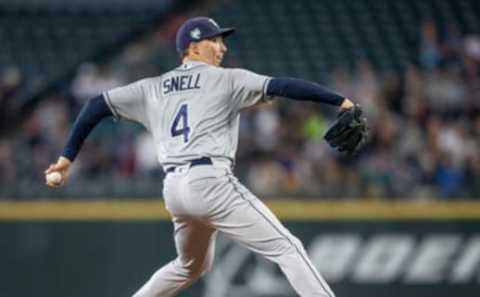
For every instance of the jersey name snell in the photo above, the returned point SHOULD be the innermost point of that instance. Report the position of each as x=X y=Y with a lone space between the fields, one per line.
x=181 y=83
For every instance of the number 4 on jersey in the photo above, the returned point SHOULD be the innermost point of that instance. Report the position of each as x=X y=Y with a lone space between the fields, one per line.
x=182 y=116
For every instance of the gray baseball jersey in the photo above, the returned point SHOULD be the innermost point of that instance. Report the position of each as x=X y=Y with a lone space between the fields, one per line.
x=193 y=112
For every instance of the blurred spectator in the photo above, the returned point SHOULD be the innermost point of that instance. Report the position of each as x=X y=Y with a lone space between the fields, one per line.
x=145 y=155
x=366 y=87
x=445 y=91
x=472 y=47
x=93 y=79
x=429 y=45
x=266 y=126
x=449 y=177
x=10 y=81
x=265 y=176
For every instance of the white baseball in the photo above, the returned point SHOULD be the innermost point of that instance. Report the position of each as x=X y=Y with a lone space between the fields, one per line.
x=54 y=177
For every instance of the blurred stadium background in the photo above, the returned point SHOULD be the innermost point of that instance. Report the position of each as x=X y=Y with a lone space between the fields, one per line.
x=401 y=219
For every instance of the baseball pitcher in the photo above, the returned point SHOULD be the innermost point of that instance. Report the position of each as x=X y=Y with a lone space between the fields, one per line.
x=193 y=114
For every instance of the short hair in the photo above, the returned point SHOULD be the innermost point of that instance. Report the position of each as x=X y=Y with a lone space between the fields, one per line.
x=185 y=52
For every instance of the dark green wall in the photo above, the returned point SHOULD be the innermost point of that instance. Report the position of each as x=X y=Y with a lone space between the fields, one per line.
x=81 y=259
x=113 y=259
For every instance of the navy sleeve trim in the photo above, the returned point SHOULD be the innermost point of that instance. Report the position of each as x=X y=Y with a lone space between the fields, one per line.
x=91 y=114
x=302 y=90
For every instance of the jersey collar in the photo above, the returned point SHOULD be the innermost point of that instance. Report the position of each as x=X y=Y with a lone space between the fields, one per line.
x=190 y=64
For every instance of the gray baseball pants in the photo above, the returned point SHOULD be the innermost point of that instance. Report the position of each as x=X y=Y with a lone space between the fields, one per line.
x=205 y=199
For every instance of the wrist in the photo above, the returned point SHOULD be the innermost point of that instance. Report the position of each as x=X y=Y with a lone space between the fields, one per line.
x=64 y=161
x=347 y=103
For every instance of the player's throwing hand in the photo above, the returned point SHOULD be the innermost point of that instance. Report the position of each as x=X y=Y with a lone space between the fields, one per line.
x=54 y=170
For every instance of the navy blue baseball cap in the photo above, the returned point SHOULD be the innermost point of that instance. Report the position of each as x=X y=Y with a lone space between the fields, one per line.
x=197 y=29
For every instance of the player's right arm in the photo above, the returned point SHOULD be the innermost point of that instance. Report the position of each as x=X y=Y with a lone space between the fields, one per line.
x=91 y=114
x=127 y=102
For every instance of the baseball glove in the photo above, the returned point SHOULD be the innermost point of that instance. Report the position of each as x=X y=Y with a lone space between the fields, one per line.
x=349 y=132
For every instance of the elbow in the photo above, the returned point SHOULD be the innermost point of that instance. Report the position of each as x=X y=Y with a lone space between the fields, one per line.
x=277 y=87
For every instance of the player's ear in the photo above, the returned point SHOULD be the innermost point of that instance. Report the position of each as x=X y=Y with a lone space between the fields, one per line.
x=194 y=48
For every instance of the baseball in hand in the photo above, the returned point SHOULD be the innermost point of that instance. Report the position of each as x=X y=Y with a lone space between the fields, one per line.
x=54 y=178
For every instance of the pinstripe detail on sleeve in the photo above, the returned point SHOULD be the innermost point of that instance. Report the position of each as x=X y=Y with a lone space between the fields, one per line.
x=265 y=97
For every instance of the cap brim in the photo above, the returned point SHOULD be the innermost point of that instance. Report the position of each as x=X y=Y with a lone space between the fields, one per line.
x=224 y=32
x=227 y=31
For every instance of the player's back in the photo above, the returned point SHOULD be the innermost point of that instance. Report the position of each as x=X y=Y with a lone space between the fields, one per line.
x=196 y=114
x=191 y=111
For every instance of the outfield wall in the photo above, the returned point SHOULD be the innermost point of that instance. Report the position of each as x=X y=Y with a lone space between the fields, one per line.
x=109 y=248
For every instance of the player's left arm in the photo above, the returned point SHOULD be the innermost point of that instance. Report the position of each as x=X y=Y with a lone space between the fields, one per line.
x=349 y=132
x=304 y=90
x=250 y=89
